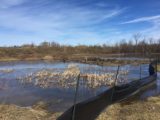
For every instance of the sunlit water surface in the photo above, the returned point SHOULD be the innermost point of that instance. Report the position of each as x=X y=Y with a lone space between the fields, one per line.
x=59 y=99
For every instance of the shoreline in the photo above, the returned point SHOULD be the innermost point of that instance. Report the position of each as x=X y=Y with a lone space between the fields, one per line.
x=83 y=59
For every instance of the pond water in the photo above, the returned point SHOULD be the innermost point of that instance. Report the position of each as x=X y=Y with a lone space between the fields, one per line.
x=59 y=99
x=153 y=90
x=125 y=58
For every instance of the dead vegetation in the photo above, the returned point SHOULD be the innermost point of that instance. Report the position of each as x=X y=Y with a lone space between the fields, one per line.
x=139 y=110
x=66 y=78
x=54 y=51
x=13 y=112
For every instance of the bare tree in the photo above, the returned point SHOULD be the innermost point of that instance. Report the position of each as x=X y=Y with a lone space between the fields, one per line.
x=136 y=39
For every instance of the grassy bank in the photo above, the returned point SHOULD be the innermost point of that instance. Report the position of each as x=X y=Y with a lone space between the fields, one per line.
x=139 y=110
x=81 y=58
x=12 y=112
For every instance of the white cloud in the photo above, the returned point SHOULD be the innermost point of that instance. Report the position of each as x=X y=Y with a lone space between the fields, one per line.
x=72 y=17
x=143 y=19
x=67 y=22
x=67 y=25
x=9 y=3
x=63 y=22
x=152 y=31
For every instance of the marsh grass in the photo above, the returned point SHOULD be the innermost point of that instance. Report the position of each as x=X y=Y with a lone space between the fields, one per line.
x=13 y=112
x=138 y=110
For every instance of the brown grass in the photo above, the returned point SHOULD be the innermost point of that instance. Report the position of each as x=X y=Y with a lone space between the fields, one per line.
x=140 y=110
x=13 y=112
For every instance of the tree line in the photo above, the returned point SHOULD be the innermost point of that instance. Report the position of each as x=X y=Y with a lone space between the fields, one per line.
x=137 y=45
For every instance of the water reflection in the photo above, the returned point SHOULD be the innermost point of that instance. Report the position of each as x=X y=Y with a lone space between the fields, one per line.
x=152 y=90
x=59 y=98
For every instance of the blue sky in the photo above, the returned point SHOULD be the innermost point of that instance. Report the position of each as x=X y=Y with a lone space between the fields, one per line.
x=77 y=21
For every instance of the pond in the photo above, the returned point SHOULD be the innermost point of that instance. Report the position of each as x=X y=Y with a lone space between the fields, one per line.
x=12 y=91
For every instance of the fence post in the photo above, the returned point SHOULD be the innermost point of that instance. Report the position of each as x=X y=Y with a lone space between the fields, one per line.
x=115 y=82
x=75 y=98
x=140 y=72
x=156 y=65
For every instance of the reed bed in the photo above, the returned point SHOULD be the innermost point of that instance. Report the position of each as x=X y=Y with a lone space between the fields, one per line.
x=6 y=70
x=67 y=78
